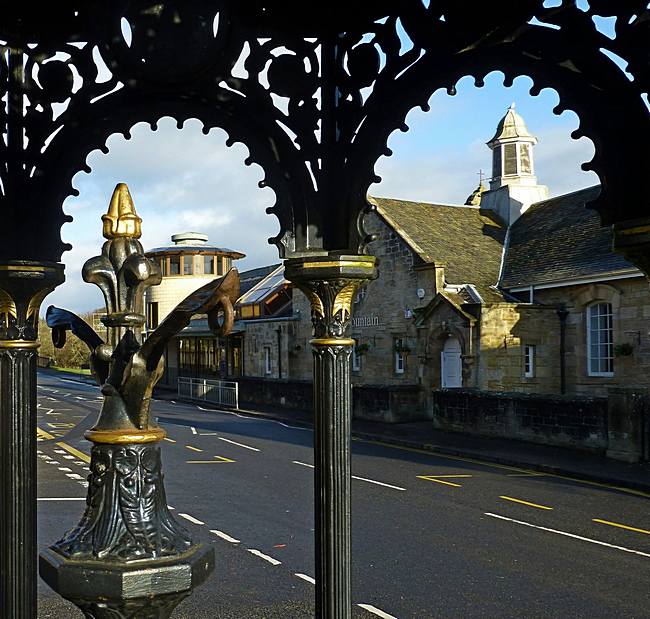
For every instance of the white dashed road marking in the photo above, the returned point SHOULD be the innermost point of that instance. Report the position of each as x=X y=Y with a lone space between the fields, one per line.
x=224 y=536
x=190 y=518
x=376 y=611
x=261 y=555
x=309 y=579
x=370 y=481
x=227 y=440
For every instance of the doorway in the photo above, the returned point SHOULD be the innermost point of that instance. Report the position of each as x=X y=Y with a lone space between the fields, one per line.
x=451 y=367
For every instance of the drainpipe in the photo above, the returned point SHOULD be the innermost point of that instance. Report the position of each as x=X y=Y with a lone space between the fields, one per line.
x=562 y=314
x=279 y=332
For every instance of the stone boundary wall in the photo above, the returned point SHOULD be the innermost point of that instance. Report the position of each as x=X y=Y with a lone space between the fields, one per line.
x=564 y=421
x=388 y=403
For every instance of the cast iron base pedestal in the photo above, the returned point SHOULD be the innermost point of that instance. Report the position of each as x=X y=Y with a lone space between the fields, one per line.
x=145 y=589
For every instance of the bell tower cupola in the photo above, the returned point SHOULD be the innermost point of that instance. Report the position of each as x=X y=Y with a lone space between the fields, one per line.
x=512 y=152
x=513 y=186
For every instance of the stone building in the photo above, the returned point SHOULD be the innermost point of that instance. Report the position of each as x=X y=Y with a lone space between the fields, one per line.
x=511 y=292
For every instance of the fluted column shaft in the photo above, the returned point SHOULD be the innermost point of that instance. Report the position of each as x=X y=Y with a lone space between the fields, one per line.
x=23 y=285
x=18 y=479
x=330 y=284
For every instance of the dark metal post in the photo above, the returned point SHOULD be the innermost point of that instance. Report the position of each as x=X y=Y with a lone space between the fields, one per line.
x=562 y=314
x=330 y=284
x=128 y=557
x=23 y=285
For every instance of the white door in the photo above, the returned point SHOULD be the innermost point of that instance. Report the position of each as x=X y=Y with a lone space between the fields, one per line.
x=451 y=367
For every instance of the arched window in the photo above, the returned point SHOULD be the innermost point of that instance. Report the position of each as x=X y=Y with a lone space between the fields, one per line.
x=600 y=340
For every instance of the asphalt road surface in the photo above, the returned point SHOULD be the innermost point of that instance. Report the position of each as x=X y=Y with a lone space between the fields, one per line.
x=433 y=536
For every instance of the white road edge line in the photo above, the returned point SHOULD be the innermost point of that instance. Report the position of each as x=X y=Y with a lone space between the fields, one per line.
x=309 y=579
x=227 y=440
x=224 y=536
x=376 y=611
x=190 y=518
x=261 y=555
x=572 y=535
x=370 y=481
x=252 y=417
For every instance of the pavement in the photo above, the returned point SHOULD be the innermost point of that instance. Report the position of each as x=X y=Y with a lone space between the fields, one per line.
x=422 y=435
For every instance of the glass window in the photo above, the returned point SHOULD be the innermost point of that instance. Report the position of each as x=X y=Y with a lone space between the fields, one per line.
x=163 y=266
x=524 y=154
x=267 y=360
x=152 y=314
x=510 y=159
x=496 y=162
x=219 y=265
x=600 y=340
x=356 y=358
x=529 y=361
x=399 y=355
x=188 y=265
x=208 y=265
x=174 y=265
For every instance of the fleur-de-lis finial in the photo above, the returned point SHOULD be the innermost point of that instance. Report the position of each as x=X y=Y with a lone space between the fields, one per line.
x=121 y=221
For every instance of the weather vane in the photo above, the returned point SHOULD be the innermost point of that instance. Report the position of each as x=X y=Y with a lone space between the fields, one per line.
x=127 y=526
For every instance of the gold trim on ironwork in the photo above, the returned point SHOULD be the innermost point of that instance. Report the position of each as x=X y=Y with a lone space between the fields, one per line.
x=19 y=344
x=365 y=264
x=332 y=341
x=123 y=437
x=17 y=267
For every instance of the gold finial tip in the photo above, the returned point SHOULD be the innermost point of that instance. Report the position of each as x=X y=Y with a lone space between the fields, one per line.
x=121 y=219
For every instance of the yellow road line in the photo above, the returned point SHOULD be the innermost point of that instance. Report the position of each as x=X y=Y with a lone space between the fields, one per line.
x=218 y=460
x=493 y=465
x=193 y=448
x=509 y=498
x=169 y=440
x=75 y=452
x=449 y=476
x=438 y=481
x=621 y=526
x=40 y=433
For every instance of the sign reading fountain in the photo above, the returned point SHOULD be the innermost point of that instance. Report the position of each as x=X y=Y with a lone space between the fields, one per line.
x=128 y=557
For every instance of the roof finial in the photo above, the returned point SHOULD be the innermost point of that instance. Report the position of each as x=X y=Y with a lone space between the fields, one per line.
x=512 y=106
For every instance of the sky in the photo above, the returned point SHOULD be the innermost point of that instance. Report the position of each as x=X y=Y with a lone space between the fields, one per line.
x=183 y=180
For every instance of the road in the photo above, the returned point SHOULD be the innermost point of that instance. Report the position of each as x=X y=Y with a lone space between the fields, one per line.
x=433 y=536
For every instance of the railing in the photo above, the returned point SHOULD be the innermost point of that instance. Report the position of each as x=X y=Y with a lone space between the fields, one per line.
x=222 y=392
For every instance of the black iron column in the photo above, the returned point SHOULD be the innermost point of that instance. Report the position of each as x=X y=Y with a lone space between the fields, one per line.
x=23 y=285
x=330 y=283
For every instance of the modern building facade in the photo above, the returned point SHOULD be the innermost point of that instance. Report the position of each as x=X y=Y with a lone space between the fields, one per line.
x=186 y=265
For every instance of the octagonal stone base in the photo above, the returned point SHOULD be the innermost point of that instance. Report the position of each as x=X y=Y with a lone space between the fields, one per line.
x=130 y=589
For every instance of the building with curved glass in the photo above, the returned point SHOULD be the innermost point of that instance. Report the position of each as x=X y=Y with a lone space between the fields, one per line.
x=186 y=265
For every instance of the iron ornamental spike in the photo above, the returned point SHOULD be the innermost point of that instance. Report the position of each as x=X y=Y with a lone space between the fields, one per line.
x=127 y=526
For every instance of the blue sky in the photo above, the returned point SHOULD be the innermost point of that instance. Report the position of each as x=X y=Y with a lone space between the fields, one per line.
x=182 y=180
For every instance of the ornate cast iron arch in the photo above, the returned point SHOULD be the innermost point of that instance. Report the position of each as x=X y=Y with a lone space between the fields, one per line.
x=71 y=147
x=608 y=104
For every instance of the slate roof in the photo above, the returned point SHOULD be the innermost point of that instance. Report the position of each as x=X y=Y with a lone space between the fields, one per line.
x=469 y=240
x=558 y=240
